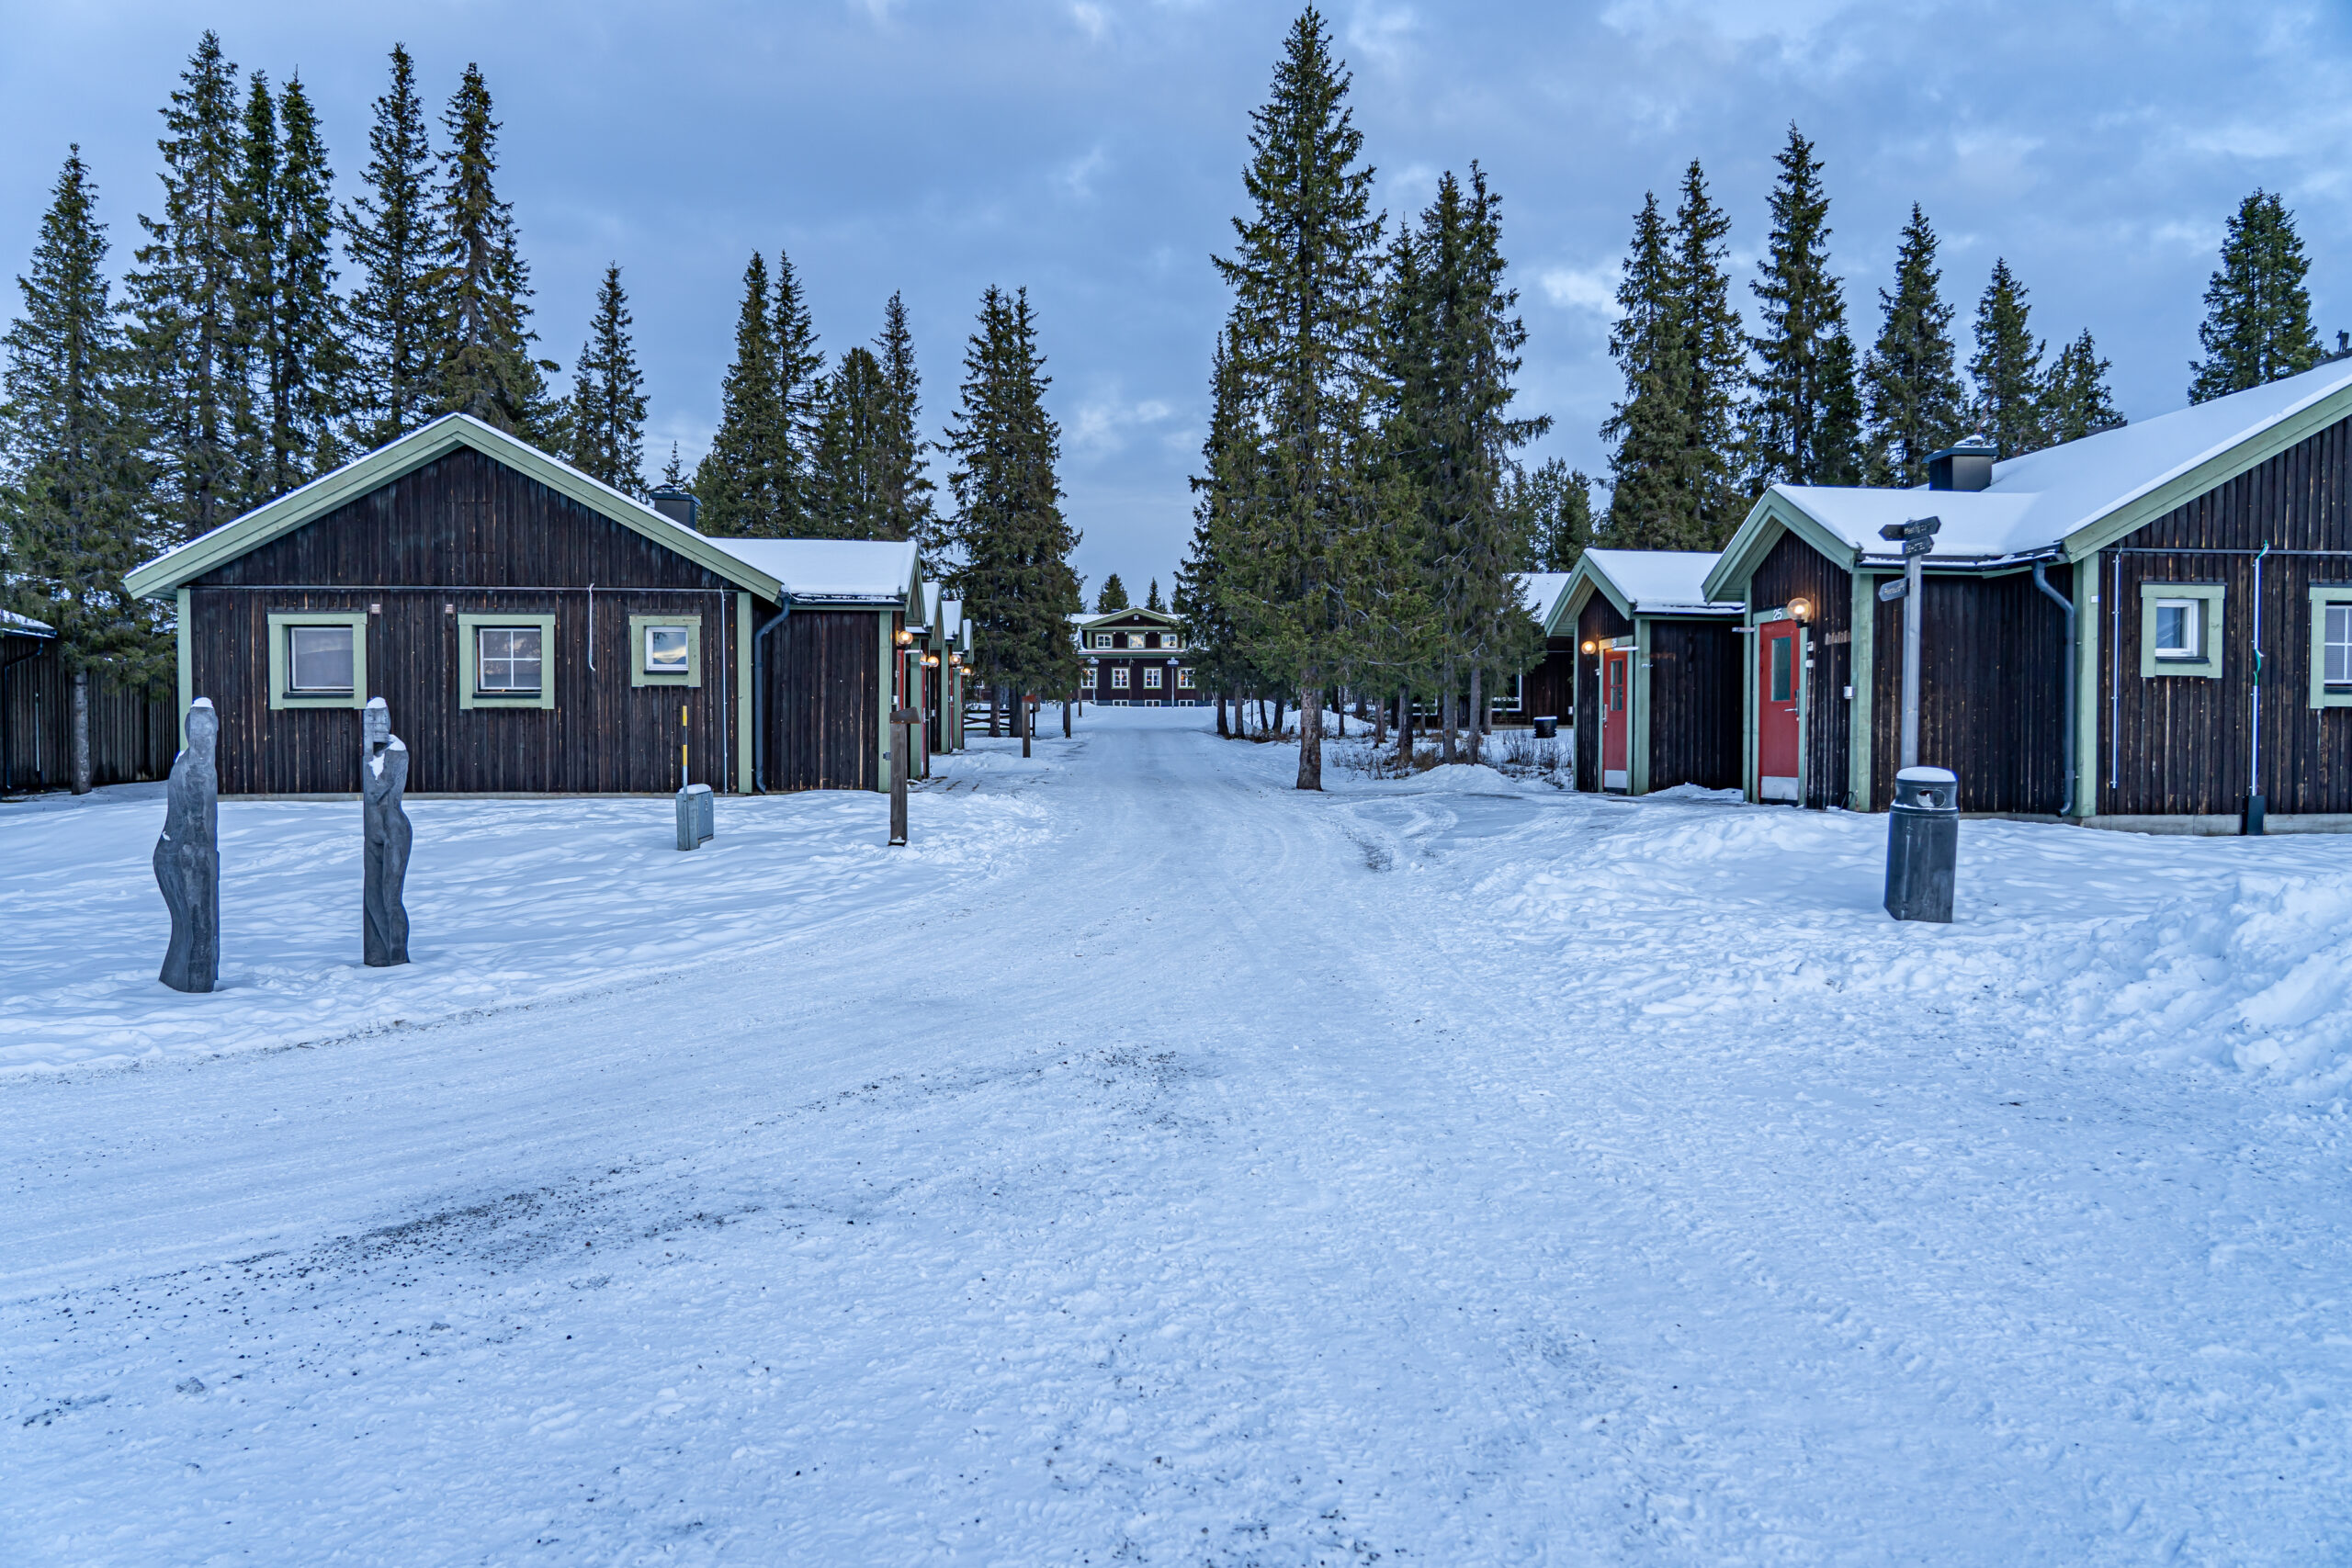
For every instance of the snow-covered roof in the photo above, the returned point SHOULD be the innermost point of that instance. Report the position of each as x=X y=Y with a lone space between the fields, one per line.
x=1540 y=590
x=184 y=563
x=1164 y=617
x=1646 y=582
x=2059 y=501
x=856 y=571
x=24 y=626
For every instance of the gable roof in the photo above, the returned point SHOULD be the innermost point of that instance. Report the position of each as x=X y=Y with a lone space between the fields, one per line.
x=2065 y=501
x=409 y=452
x=1133 y=612
x=15 y=625
x=1645 y=582
x=834 y=572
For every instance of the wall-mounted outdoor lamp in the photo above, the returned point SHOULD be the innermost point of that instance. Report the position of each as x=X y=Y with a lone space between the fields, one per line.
x=905 y=636
x=1590 y=646
x=1800 y=609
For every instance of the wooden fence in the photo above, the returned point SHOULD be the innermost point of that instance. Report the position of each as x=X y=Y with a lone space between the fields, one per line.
x=134 y=734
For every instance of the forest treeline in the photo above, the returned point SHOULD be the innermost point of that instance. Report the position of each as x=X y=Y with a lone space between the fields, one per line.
x=1362 y=504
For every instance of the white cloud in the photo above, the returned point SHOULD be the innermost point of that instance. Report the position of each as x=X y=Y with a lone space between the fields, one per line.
x=1091 y=19
x=1592 y=289
x=1383 y=33
x=1076 y=177
x=1102 y=425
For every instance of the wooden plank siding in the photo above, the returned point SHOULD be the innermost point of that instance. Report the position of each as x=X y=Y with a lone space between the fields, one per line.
x=1549 y=687
x=2172 y=745
x=824 y=701
x=135 y=733
x=1694 y=703
x=466 y=534
x=1792 y=568
x=1992 y=691
x=1597 y=621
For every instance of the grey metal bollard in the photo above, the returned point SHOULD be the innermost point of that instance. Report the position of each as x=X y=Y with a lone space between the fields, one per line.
x=1547 y=726
x=696 y=816
x=1922 y=844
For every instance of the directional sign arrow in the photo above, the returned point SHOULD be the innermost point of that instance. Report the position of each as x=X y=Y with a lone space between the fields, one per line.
x=1891 y=590
x=1918 y=528
x=1923 y=545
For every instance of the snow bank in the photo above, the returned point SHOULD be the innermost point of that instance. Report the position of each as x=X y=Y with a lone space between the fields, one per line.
x=509 y=901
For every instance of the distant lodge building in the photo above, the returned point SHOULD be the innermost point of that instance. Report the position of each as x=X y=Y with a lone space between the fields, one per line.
x=536 y=632
x=1134 y=658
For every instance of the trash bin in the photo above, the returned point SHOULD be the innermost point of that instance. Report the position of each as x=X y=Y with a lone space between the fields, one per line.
x=696 y=815
x=1547 y=726
x=1922 y=844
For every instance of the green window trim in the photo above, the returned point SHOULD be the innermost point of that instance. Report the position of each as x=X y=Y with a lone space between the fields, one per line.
x=640 y=676
x=2210 y=595
x=2322 y=695
x=280 y=620
x=469 y=652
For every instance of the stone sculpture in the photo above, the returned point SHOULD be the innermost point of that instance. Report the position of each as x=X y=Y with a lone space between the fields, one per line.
x=383 y=775
x=187 y=857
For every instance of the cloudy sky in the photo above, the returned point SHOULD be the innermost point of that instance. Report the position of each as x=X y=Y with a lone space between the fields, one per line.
x=1091 y=149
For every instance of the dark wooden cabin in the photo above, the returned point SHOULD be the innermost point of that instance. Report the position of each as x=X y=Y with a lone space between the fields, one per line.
x=1656 y=672
x=1547 y=688
x=533 y=632
x=1133 y=658
x=2187 y=551
x=133 y=732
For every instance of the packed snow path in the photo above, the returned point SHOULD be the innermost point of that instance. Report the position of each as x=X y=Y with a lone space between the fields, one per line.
x=1176 y=1169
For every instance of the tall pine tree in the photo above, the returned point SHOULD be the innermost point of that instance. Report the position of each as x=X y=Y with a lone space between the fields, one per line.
x=1789 y=433
x=2258 y=323
x=606 y=421
x=800 y=400
x=1914 y=397
x=393 y=246
x=308 y=367
x=1304 y=276
x=905 y=487
x=72 y=487
x=1014 y=541
x=183 y=293
x=1553 y=505
x=848 y=490
x=1202 y=598
x=253 y=219
x=1839 y=450
x=737 y=481
x=1649 y=430
x=1111 y=597
x=481 y=286
x=2006 y=368
x=1151 y=600
x=1714 y=365
x=2076 y=401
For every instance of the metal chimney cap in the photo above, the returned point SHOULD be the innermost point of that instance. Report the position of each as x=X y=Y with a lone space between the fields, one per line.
x=1977 y=446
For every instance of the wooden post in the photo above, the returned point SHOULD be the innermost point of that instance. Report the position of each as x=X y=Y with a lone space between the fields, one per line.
x=901 y=754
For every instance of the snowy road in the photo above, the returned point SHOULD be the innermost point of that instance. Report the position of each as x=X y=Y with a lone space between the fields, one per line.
x=1223 y=1175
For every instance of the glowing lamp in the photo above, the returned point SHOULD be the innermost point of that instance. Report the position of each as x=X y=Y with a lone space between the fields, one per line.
x=1800 y=609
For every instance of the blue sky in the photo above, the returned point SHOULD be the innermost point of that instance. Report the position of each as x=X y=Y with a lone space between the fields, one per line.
x=1092 y=150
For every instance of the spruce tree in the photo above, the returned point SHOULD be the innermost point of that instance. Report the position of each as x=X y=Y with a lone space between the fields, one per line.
x=2076 y=401
x=1113 y=595
x=183 y=295
x=1649 y=430
x=1304 y=276
x=736 y=481
x=393 y=248
x=309 y=368
x=1016 y=542
x=673 y=473
x=2258 y=323
x=1714 y=365
x=481 y=285
x=1841 y=445
x=1802 y=309
x=1914 y=398
x=73 y=488
x=253 y=218
x=1224 y=483
x=1554 y=505
x=605 y=422
x=800 y=396
x=1151 y=600
x=2006 y=368
x=848 y=470
x=906 y=488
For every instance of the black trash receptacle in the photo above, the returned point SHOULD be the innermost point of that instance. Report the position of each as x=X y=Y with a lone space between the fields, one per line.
x=1547 y=726
x=1922 y=844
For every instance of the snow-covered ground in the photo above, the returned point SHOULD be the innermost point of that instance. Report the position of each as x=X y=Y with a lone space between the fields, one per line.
x=1154 y=1164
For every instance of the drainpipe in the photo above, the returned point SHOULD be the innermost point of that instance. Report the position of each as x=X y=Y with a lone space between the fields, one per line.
x=2067 y=749
x=760 y=697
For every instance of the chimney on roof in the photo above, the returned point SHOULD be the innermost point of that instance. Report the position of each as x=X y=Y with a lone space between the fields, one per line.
x=676 y=504
x=1965 y=465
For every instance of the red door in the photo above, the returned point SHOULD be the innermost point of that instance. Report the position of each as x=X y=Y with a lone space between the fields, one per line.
x=1616 y=717
x=1779 y=672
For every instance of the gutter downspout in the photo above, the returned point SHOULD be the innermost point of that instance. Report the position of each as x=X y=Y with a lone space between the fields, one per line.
x=2041 y=581
x=760 y=697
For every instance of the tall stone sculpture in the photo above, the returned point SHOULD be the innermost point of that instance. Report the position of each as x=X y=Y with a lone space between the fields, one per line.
x=383 y=775
x=187 y=857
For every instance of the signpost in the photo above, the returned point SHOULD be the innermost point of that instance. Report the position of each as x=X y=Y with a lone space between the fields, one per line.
x=1917 y=538
x=902 y=748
